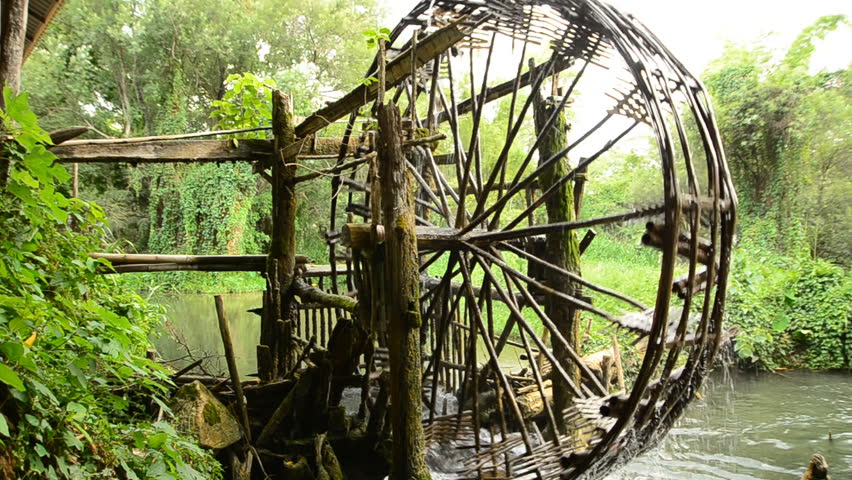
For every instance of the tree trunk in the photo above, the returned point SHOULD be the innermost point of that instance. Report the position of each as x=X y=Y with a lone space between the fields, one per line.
x=402 y=305
x=562 y=249
x=13 y=30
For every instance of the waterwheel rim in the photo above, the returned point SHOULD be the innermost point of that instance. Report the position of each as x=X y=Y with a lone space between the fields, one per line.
x=697 y=206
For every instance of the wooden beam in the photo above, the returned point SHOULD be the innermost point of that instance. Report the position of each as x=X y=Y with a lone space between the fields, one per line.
x=164 y=151
x=426 y=50
x=139 y=258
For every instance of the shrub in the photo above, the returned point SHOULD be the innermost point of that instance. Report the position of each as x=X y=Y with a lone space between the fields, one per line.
x=75 y=384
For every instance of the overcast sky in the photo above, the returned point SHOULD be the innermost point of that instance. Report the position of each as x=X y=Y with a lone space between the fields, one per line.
x=696 y=32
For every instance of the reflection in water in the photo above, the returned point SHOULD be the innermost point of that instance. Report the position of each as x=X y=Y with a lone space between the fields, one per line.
x=747 y=427
x=756 y=427
x=193 y=317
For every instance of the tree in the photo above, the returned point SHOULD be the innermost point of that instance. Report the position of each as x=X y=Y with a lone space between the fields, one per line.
x=147 y=67
x=787 y=136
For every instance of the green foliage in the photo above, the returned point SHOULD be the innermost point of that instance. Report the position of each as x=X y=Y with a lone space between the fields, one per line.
x=247 y=103
x=788 y=140
x=129 y=68
x=793 y=312
x=373 y=37
x=74 y=377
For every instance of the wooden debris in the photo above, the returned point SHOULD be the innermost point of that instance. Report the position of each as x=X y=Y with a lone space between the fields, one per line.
x=232 y=366
x=817 y=469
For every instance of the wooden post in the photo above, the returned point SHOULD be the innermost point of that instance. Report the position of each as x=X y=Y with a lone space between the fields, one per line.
x=561 y=249
x=275 y=353
x=619 y=366
x=402 y=302
x=75 y=180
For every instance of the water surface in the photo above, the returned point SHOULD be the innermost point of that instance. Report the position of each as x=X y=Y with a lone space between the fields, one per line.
x=746 y=427
x=756 y=427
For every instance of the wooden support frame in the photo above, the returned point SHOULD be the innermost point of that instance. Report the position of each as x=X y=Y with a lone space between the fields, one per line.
x=402 y=305
x=164 y=151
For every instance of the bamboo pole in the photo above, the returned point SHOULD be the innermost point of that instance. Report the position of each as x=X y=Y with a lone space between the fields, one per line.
x=402 y=303
x=139 y=258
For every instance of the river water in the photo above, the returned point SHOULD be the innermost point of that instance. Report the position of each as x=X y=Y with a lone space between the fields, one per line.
x=746 y=427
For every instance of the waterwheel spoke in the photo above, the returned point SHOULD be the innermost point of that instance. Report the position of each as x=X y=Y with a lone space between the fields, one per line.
x=494 y=357
x=572 y=276
x=526 y=232
x=521 y=183
x=504 y=154
x=522 y=323
x=582 y=166
x=461 y=161
x=576 y=302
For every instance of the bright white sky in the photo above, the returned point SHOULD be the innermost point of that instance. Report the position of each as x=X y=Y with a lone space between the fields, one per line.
x=696 y=32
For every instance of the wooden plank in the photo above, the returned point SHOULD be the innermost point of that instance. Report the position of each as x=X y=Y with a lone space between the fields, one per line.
x=164 y=151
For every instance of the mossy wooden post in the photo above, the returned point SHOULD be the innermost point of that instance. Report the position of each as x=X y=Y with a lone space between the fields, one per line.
x=402 y=302
x=274 y=353
x=561 y=249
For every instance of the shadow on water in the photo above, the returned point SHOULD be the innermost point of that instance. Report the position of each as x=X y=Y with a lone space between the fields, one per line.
x=746 y=427
x=756 y=427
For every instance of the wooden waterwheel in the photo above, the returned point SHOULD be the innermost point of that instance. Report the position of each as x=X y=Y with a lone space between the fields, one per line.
x=504 y=219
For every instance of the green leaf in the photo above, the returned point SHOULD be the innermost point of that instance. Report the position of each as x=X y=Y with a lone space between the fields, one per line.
x=781 y=322
x=40 y=450
x=78 y=375
x=156 y=441
x=4 y=427
x=12 y=351
x=9 y=377
x=77 y=411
